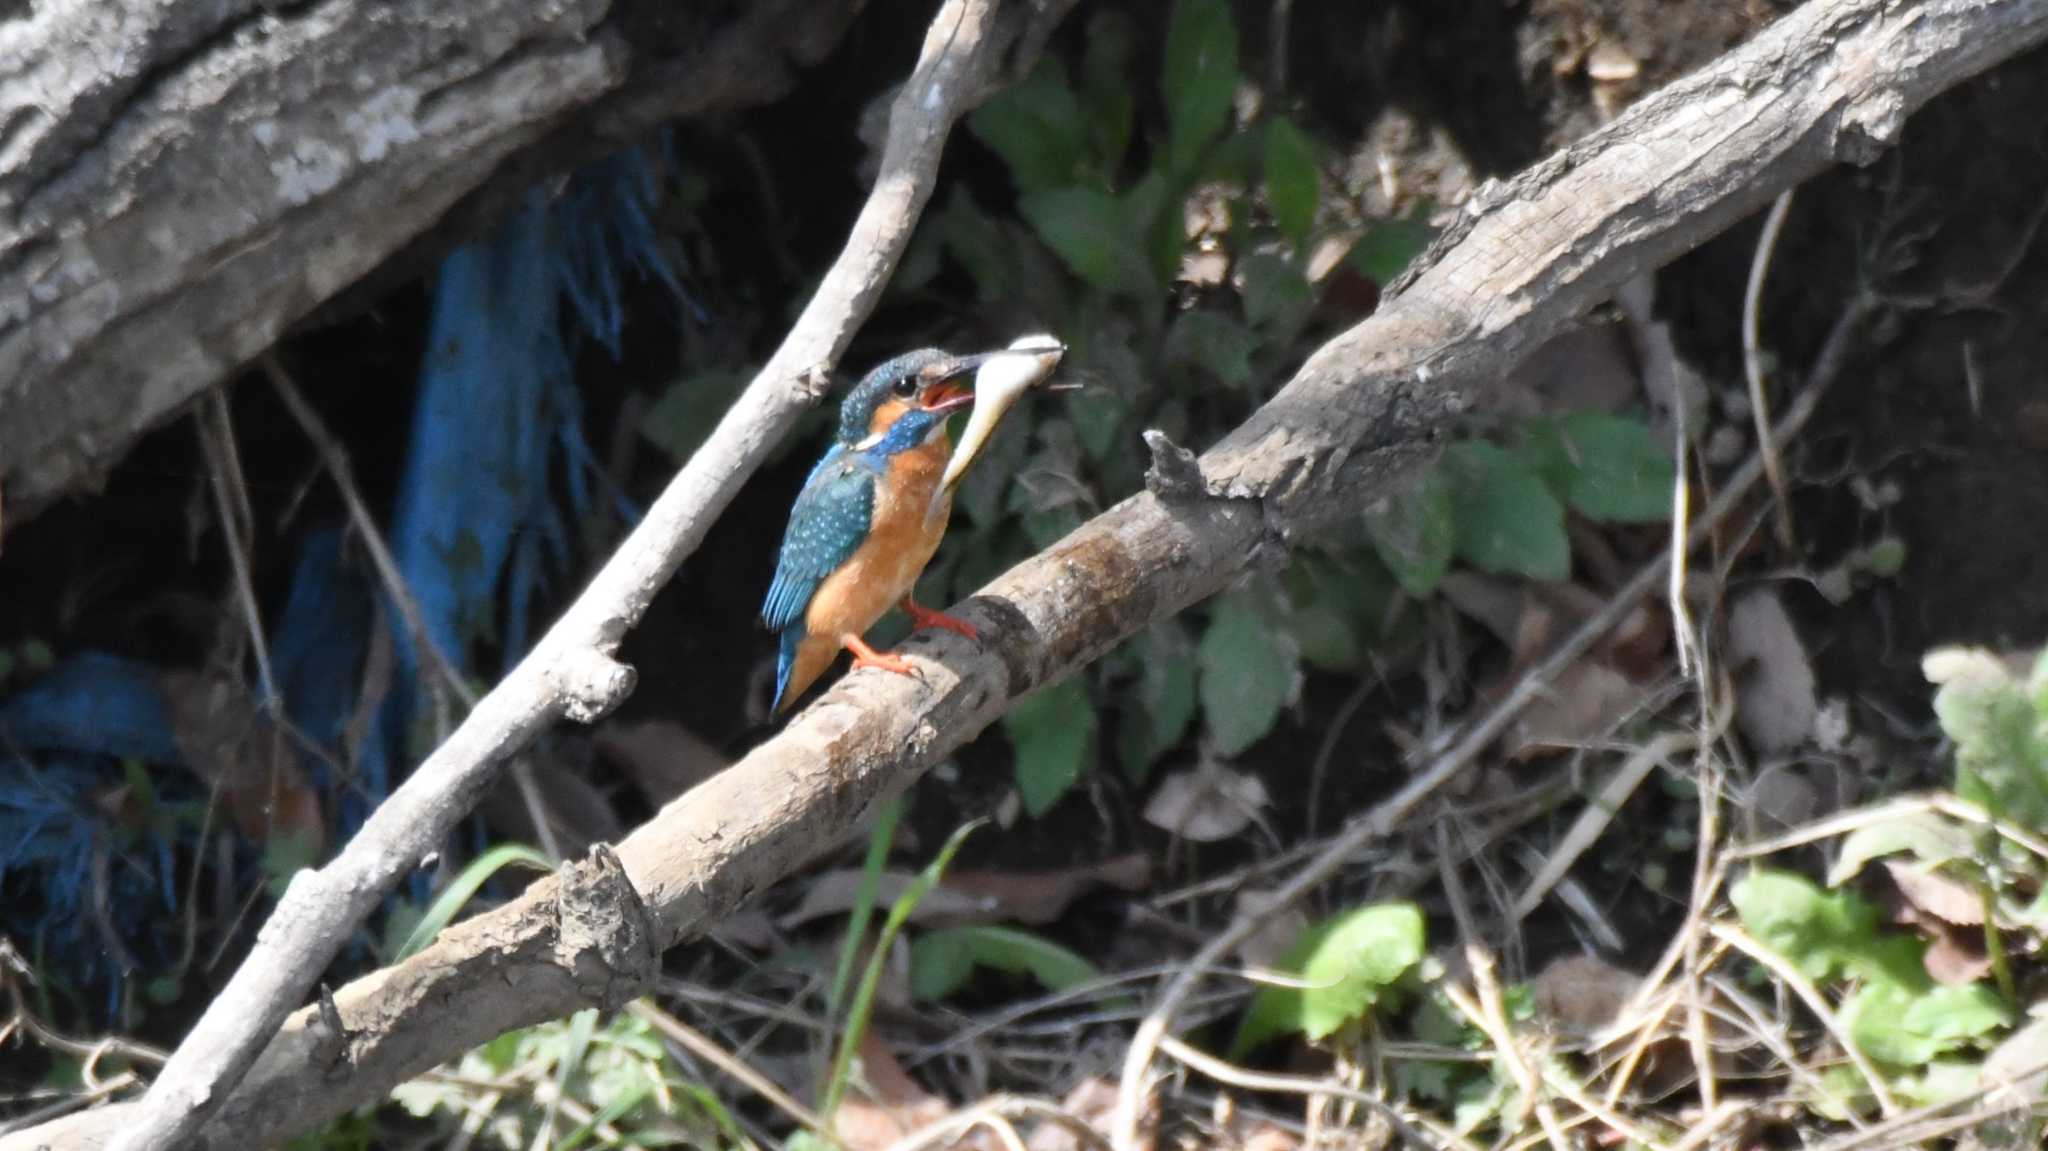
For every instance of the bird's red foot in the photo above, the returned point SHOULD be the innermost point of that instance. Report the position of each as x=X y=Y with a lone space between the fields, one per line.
x=923 y=617
x=865 y=656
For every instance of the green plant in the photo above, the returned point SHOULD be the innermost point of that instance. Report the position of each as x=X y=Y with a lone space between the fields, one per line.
x=1348 y=967
x=1911 y=1028
x=941 y=962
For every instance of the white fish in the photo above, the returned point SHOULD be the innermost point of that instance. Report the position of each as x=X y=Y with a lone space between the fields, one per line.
x=1001 y=381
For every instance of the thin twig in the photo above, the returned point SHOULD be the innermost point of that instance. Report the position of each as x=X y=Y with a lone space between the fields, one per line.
x=1410 y=1129
x=1390 y=812
x=231 y=526
x=943 y=1132
x=571 y=672
x=1803 y=987
x=1490 y=1017
x=1753 y=361
x=708 y=1049
x=1600 y=811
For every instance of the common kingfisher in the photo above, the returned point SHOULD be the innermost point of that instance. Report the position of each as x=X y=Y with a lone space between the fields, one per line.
x=872 y=513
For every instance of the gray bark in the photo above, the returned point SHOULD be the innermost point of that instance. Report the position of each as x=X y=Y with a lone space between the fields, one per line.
x=181 y=180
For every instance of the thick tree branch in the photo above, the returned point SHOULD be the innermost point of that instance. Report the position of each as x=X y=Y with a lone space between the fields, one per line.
x=570 y=673
x=181 y=180
x=1833 y=80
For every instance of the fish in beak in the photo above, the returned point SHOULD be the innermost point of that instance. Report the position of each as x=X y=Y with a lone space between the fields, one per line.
x=1000 y=380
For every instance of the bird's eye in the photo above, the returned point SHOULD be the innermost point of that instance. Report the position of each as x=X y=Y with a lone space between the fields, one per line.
x=905 y=387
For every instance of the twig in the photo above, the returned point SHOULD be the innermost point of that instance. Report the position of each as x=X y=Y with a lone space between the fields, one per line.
x=1390 y=812
x=1753 y=361
x=707 y=1049
x=571 y=672
x=231 y=527
x=1489 y=1016
x=1600 y=811
x=1410 y=1130
x=1803 y=987
x=943 y=1132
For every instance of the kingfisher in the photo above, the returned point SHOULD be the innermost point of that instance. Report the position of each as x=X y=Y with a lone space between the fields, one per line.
x=872 y=513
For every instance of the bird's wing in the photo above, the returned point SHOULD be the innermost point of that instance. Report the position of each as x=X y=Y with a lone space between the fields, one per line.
x=827 y=524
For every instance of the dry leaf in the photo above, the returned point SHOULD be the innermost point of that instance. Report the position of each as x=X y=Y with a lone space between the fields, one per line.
x=663 y=759
x=1588 y=367
x=1209 y=803
x=900 y=1107
x=1585 y=700
x=836 y=893
x=1936 y=894
x=1497 y=605
x=1039 y=897
x=1267 y=946
x=1956 y=956
x=1775 y=698
x=1783 y=798
x=229 y=742
x=1583 y=993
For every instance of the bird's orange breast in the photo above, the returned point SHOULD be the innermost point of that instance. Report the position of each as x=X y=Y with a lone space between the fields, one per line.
x=900 y=542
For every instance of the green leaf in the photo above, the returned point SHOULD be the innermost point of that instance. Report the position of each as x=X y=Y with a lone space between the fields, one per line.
x=1277 y=297
x=1248 y=669
x=1824 y=933
x=871 y=979
x=1415 y=532
x=1293 y=179
x=1053 y=735
x=1199 y=80
x=1608 y=468
x=1386 y=250
x=1930 y=837
x=1036 y=126
x=450 y=902
x=1348 y=964
x=976 y=243
x=1107 y=97
x=2001 y=744
x=1214 y=343
x=1090 y=231
x=1897 y=1027
x=687 y=411
x=941 y=962
x=1504 y=518
x=1164 y=703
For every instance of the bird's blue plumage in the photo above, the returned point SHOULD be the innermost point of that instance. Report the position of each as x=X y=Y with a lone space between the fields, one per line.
x=831 y=518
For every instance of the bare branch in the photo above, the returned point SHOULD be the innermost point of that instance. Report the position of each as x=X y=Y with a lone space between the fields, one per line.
x=1831 y=80
x=570 y=672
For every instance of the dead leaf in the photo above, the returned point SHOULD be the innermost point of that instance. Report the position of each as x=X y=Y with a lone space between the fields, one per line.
x=837 y=892
x=1206 y=804
x=1039 y=897
x=1586 y=367
x=1270 y=1136
x=1494 y=604
x=664 y=759
x=1586 y=700
x=1269 y=945
x=1584 y=993
x=231 y=744
x=1956 y=956
x=1775 y=698
x=898 y=1108
x=1783 y=797
x=1936 y=894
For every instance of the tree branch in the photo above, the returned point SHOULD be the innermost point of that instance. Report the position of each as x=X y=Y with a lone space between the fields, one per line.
x=181 y=180
x=1832 y=80
x=570 y=673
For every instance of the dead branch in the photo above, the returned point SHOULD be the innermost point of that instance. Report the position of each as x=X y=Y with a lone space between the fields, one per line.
x=570 y=672
x=1833 y=80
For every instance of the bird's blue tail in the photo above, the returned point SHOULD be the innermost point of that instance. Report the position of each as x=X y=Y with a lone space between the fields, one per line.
x=791 y=637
